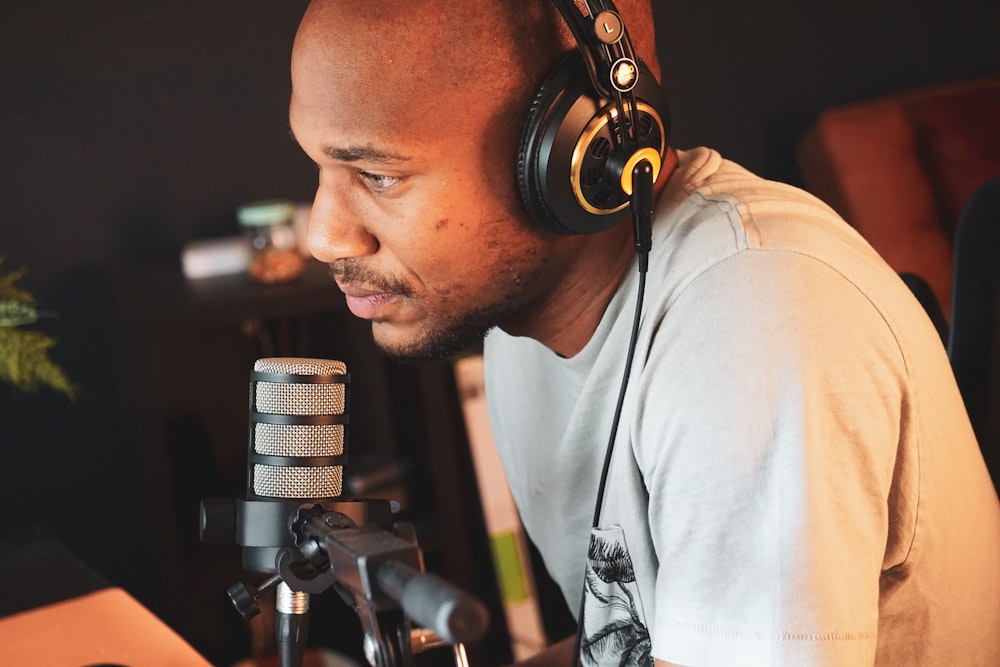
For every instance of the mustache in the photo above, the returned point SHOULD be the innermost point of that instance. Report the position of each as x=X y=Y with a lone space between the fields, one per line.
x=353 y=271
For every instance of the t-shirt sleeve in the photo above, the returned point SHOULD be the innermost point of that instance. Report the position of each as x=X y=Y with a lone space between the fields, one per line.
x=767 y=441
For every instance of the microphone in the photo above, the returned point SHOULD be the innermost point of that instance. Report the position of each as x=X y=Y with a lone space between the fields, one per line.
x=296 y=453
x=298 y=435
x=297 y=445
x=294 y=526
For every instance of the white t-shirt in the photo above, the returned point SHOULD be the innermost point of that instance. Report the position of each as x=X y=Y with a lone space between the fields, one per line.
x=794 y=480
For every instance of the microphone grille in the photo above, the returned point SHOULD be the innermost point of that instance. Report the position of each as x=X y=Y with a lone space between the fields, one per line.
x=300 y=399
x=297 y=482
x=299 y=439
x=293 y=399
x=300 y=366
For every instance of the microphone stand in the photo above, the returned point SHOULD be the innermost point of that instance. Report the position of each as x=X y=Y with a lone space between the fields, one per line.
x=383 y=573
x=292 y=629
x=348 y=546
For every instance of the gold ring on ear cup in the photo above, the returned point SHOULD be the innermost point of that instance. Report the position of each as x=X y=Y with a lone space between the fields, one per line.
x=641 y=154
x=598 y=123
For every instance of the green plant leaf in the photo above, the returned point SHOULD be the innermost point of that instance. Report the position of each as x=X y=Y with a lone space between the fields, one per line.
x=25 y=362
x=24 y=355
x=9 y=291
x=16 y=313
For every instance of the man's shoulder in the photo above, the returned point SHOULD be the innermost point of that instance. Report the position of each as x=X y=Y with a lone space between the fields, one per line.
x=714 y=209
x=746 y=209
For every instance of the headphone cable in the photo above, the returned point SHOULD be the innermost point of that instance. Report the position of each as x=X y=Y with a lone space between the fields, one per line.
x=642 y=208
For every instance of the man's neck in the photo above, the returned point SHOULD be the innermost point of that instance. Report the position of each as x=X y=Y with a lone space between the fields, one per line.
x=567 y=317
x=584 y=273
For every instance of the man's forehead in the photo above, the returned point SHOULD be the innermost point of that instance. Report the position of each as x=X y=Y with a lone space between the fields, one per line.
x=385 y=98
x=365 y=123
x=367 y=63
x=440 y=83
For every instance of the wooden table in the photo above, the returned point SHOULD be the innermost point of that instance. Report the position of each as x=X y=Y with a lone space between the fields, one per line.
x=56 y=612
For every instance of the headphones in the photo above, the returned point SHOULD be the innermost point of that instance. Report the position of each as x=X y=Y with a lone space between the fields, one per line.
x=575 y=161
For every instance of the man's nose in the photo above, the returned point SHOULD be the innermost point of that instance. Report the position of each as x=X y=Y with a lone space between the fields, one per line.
x=335 y=230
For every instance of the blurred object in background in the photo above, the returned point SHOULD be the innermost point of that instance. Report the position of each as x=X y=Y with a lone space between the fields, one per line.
x=215 y=257
x=274 y=248
x=300 y=221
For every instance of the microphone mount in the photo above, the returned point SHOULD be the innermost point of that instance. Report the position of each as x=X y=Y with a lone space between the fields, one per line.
x=353 y=547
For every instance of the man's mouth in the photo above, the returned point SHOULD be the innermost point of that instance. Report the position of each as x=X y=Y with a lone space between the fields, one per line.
x=365 y=303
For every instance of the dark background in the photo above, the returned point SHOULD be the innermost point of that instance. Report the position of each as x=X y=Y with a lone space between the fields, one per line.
x=130 y=127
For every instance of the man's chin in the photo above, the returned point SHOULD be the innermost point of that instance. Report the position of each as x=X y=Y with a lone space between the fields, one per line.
x=428 y=347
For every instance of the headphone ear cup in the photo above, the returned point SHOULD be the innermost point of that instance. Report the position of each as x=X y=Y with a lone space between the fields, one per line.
x=566 y=145
x=549 y=99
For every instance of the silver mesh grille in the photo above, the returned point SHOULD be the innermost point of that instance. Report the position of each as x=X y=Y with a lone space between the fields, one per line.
x=309 y=482
x=300 y=366
x=300 y=399
x=299 y=439
x=297 y=396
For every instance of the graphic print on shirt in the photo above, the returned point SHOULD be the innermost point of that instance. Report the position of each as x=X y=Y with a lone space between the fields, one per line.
x=615 y=630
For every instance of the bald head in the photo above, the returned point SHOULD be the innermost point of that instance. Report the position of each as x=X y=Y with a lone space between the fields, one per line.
x=446 y=48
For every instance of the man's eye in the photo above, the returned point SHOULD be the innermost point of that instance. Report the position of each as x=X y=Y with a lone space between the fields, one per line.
x=379 y=182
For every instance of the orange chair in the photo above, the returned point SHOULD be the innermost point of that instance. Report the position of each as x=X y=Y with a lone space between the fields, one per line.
x=900 y=168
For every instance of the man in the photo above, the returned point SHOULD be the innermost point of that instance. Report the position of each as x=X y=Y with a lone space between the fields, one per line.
x=794 y=480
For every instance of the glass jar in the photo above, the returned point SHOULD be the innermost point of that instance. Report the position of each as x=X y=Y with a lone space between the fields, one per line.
x=274 y=250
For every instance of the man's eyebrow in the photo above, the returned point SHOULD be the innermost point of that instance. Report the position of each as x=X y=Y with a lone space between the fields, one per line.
x=362 y=153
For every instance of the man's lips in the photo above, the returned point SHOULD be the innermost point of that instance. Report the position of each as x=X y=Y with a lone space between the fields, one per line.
x=364 y=303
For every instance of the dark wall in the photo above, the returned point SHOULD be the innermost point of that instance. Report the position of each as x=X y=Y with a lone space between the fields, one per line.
x=747 y=77
x=129 y=127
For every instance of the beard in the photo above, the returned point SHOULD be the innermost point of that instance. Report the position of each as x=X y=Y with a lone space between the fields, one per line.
x=443 y=337
x=450 y=326
x=437 y=343
x=447 y=330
